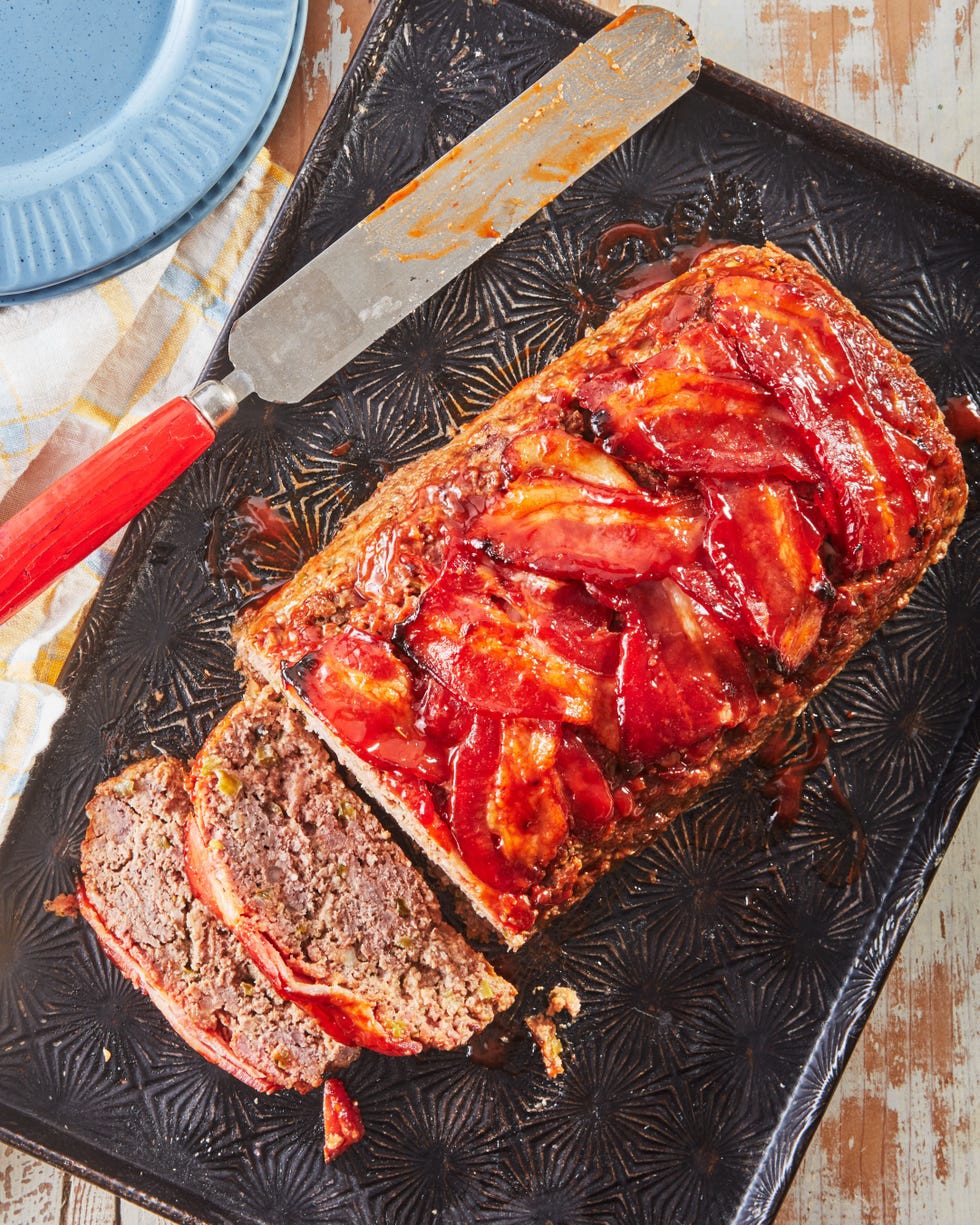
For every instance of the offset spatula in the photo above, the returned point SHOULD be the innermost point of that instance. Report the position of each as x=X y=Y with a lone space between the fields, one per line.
x=369 y=279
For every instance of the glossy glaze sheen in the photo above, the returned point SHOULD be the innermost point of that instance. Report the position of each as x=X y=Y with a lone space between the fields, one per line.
x=724 y=581
x=712 y=1029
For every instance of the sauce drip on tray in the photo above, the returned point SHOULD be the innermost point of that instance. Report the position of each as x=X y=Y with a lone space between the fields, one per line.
x=495 y=1045
x=963 y=418
x=785 y=784
x=254 y=548
x=667 y=259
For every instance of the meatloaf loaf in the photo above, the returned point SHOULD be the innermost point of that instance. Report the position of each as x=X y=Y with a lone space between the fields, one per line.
x=321 y=897
x=535 y=645
x=134 y=894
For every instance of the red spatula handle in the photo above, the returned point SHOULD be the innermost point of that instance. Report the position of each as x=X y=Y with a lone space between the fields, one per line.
x=83 y=509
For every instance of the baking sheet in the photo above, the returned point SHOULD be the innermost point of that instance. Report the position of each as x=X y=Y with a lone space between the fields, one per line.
x=725 y=973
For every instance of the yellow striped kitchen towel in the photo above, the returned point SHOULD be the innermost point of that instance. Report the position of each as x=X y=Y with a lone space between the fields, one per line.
x=73 y=371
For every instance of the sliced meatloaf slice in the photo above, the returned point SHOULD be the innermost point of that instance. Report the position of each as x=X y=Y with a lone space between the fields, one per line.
x=136 y=897
x=322 y=899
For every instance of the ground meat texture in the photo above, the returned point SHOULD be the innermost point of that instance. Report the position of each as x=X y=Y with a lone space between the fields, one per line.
x=564 y=999
x=136 y=896
x=311 y=882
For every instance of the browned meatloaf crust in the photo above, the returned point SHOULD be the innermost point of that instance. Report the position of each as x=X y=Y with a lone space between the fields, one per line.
x=135 y=895
x=324 y=901
x=371 y=581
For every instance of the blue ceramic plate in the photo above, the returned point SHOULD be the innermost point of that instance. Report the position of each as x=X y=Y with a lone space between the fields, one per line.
x=120 y=119
x=198 y=211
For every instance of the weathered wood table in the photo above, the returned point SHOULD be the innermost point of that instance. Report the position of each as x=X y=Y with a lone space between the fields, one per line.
x=898 y=1144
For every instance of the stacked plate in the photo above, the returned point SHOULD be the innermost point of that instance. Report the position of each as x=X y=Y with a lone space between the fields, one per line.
x=125 y=124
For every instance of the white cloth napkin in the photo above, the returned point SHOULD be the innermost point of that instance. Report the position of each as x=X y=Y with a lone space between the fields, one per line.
x=75 y=369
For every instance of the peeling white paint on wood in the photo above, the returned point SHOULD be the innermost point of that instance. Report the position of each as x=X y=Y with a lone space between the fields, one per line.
x=331 y=60
x=908 y=73
x=89 y=1205
x=131 y=1215
x=899 y=1144
x=30 y=1191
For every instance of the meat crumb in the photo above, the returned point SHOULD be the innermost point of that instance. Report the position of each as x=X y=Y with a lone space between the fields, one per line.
x=563 y=999
x=65 y=906
x=545 y=1034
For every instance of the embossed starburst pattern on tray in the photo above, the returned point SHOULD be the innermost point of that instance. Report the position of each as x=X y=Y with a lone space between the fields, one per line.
x=724 y=971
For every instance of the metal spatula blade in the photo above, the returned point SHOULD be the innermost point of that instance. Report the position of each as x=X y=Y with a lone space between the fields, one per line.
x=464 y=204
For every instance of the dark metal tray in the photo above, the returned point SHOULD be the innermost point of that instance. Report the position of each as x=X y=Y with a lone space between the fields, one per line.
x=725 y=973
